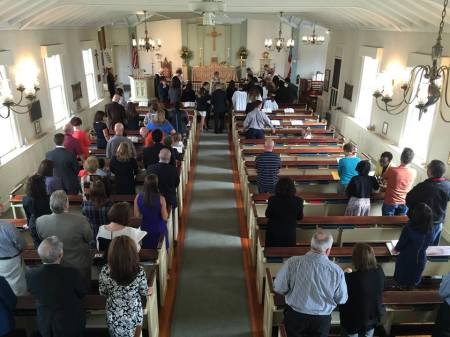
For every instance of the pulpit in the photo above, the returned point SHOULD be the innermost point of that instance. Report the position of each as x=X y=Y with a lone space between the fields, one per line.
x=142 y=88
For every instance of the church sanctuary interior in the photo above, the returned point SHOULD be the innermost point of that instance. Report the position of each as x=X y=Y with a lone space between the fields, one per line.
x=224 y=168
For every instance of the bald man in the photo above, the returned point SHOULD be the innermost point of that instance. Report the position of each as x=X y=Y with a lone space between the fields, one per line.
x=115 y=112
x=168 y=177
x=114 y=142
x=267 y=167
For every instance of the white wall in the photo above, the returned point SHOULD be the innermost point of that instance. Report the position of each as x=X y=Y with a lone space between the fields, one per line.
x=257 y=32
x=169 y=31
x=311 y=58
x=27 y=45
x=396 y=49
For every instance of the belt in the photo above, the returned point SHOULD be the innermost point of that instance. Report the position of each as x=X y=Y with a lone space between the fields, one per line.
x=9 y=258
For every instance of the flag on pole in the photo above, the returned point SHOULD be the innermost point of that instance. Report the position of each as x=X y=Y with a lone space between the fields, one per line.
x=289 y=71
x=134 y=58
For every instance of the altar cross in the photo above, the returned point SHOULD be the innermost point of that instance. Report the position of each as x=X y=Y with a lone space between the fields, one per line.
x=214 y=35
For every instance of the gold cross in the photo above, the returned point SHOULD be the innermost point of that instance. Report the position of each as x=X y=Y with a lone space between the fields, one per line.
x=214 y=34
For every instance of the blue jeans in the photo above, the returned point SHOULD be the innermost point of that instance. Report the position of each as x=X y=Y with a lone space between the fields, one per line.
x=436 y=233
x=391 y=210
x=368 y=333
x=255 y=134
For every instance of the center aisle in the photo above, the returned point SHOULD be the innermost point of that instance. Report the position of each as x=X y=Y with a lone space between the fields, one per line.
x=211 y=297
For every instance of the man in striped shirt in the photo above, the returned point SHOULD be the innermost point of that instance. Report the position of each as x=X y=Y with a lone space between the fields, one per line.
x=267 y=166
x=313 y=286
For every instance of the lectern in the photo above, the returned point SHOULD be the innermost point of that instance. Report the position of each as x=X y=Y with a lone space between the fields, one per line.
x=142 y=89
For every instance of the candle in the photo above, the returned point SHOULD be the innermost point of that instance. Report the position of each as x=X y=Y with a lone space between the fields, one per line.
x=228 y=53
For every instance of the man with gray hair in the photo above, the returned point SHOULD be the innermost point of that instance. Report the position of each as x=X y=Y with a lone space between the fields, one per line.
x=72 y=229
x=114 y=141
x=268 y=165
x=59 y=291
x=115 y=112
x=313 y=286
x=71 y=143
x=168 y=177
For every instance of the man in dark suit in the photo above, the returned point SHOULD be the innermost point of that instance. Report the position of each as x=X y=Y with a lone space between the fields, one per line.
x=59 y=291
x=283 y=95
x=219 y=106
x=115 y=112
x=168 y=177
x=151 y=154
x=293 y=89
x=65 y=165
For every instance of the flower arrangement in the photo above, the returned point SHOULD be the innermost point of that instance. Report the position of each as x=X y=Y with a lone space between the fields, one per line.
x=243 y=53
x=186 y=54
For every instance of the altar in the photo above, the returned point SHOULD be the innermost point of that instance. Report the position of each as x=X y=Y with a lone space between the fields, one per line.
x=206 y=73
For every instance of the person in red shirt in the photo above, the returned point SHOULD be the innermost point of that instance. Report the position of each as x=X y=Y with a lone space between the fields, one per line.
x=71 y=143
x=399 y=181
x=146 y=136
x=81 y=135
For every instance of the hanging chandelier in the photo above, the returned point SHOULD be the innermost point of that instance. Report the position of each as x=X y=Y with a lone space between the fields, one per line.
x=423 y=86
x=280 y=42
x=147 y=43
x=313 y=39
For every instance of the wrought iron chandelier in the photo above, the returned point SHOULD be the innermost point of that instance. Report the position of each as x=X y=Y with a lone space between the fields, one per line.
x=147 y=43
x=424 y=87
x=313 y=39
x=280 y=42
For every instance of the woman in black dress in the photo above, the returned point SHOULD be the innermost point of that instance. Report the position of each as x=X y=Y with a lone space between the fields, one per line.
x=101 y=130
x=125 y=168
x=188 y=94
x=283 y=211
x=36 y=202
x=132 y=116
x=363 y=310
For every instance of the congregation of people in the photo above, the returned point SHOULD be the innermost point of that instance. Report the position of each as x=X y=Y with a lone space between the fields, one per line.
x=313 y=285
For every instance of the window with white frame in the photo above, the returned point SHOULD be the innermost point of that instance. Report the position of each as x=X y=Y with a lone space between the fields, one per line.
x=416 y=133
x=8 y=133
x=55 y=81
x=369 y=71
x=89 y=73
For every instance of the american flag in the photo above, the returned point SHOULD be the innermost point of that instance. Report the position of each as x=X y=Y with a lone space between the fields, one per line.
x=134 y=58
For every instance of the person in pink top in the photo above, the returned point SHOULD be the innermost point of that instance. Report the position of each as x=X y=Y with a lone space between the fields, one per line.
x=399 y=181
x=71 y=144
x=81 y=135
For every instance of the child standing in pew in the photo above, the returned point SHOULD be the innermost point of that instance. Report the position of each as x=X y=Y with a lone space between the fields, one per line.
x=347 y=166
x=359 y=190
x=411 y=247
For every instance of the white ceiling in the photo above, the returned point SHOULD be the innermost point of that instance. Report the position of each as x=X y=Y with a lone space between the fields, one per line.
x=395 y=15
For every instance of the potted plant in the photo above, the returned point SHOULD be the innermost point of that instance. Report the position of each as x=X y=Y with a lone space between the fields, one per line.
x=243 y=53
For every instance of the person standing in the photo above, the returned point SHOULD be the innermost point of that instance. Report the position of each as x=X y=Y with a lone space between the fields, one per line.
x=125 y=169
x=59 y=290
x=435 y=192
x=179 y=119
x=82 y=137
x=188 y=94
x=123 y=285
x=255 y=122
x=383 y=164
x=65 y=165
x=313 y=286
x=151 y=207
x=283 y=211
x=360 y=189
x=267 y=165
x=116 y=140
x=347 y=166
x=175 y=90
x=203 y=107
x=72 y=144
x=8 y=301
x=115 y=112
x=399 y=181
x=239 y=98
x=101 y=130
x=362 y=312
x=219 y=106
x=73 y=230
x=412 y=245
x=442 y=325
x=111 y=82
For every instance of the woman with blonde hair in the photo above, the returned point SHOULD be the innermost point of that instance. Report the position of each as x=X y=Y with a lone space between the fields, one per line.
x=123 y=282
x=125 y=169
x=159 y=121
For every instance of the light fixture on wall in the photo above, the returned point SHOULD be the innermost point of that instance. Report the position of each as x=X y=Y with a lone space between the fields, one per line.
x=426 y=83
x=28 y=86
x=147 y=43
x=313 y=39
x=280 y=42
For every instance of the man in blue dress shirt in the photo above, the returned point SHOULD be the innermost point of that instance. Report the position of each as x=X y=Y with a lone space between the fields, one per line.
x=442 y=326
x=313 y=286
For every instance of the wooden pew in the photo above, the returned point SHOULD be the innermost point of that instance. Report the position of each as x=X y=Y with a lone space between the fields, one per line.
x=96 y=311
x=405 y=301
x=316 y=140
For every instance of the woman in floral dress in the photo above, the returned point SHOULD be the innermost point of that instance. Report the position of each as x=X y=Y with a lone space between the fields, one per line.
x=123 y=281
